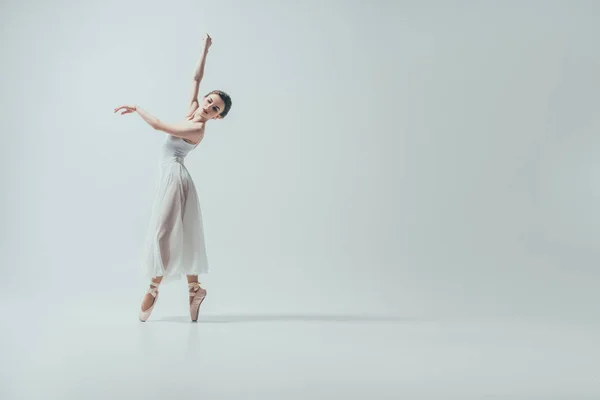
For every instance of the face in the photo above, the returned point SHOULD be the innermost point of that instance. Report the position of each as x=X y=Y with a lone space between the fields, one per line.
x=211 y=107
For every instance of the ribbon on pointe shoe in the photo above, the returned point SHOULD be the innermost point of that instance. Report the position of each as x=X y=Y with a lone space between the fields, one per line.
x=195 y=286
x=153 y=290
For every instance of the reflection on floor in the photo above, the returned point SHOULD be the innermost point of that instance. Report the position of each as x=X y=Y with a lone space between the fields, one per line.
x=111 y=355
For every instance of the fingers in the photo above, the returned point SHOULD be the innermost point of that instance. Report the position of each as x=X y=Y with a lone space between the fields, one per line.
x=125 y=110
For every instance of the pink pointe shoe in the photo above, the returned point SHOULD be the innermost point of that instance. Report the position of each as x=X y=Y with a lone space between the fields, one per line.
x=197 y=295
x=144 y=315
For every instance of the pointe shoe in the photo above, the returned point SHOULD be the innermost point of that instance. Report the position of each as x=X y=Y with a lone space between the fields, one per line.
x=197 y=295
x=144 y=315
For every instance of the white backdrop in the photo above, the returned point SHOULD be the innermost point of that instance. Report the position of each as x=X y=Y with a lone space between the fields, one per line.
x=406 y=158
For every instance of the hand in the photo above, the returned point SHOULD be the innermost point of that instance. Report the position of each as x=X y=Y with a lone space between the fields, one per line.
x=126 y=109
x=207 y=41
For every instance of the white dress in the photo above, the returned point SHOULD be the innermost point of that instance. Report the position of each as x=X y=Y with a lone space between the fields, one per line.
x=175 y=244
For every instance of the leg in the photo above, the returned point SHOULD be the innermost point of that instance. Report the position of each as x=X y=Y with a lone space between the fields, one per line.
x=152 y=295
x=168 y=224
x=193 y=285
x=197 y=295
x=192 y=278
x=165 y=241
x=148 y=298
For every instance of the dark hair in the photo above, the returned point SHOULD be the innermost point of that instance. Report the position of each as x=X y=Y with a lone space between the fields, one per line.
x=226 y=99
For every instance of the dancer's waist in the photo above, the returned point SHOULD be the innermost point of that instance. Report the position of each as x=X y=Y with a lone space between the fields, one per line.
x=172 y=159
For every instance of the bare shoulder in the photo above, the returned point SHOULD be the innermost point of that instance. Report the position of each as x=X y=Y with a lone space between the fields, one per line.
x=199 y=127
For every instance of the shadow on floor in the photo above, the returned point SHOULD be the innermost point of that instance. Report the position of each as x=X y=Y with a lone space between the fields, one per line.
x=218 y=319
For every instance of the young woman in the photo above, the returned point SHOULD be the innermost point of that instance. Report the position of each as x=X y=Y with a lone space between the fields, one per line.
x=175 y=243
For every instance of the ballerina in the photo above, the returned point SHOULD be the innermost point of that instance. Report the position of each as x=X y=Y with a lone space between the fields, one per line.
x=175 y=244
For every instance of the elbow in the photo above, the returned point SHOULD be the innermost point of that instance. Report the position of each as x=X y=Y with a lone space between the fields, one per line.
x=166 y=128
x=156 y=125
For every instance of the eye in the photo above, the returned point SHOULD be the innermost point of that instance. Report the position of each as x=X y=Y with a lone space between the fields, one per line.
x=210 y=100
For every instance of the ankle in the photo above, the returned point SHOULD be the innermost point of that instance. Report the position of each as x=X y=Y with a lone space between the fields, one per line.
x=194 y=286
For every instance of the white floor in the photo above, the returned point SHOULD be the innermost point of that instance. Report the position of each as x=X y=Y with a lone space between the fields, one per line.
x=111 y=355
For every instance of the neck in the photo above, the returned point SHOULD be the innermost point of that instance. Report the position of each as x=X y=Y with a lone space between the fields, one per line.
x=198 y=118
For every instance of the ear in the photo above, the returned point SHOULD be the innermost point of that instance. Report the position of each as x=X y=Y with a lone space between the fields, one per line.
x=218 y=117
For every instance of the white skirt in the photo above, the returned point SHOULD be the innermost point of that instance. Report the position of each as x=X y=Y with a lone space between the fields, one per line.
x=175 y=244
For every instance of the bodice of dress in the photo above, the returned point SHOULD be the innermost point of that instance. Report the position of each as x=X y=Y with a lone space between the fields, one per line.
x=175 y=149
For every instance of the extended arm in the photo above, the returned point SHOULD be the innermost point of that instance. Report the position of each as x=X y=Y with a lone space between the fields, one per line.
x=186 y=130
x=190 y=130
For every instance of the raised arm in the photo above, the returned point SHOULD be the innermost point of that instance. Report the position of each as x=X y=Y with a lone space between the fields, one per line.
x=198 y=75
